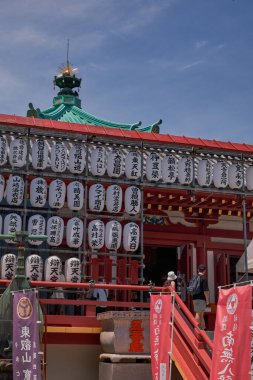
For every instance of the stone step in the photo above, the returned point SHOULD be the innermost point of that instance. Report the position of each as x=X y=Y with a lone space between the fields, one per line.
x=130 y=358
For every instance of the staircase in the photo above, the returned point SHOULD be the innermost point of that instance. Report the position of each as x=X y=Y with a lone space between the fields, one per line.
x=192 y=347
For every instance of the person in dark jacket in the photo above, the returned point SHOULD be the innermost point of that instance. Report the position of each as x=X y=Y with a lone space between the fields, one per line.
x=201 y=300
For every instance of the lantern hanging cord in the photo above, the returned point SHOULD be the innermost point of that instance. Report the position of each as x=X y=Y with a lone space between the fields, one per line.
x=250 y=282
x=161 y=293
x=199 y=203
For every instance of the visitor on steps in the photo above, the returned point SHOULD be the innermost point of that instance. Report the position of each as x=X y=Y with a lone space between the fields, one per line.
x=201 y=300
x=171 y=280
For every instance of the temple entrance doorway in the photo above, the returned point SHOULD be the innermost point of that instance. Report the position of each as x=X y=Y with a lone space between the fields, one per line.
x=158 y=262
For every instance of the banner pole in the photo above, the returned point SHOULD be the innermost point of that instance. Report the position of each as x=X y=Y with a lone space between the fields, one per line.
x=172 y=331
x=245 y=238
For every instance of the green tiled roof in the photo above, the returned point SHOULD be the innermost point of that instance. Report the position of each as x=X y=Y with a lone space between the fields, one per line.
x=67 y=107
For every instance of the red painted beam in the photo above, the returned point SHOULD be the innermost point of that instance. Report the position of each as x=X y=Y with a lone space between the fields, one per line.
x=61 y=338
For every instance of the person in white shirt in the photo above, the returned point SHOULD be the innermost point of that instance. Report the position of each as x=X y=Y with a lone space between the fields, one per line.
x=100 y=295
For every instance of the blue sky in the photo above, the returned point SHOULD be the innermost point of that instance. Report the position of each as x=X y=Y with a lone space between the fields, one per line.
x=188 y=62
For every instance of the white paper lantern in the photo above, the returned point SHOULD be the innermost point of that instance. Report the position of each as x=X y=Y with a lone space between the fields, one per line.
x=40 y=154
x=132 y=200
x=97 y=197
x=59 y=157
x=235 y=176
x=55 y=229
x=4 y=149
x=12 y=224
x=38 y=192
x=113 y=198
x=18 y=153
x=34 y=268
x=73 y=270
x=133 y=165
x=2 y=185
x=57 y=193
x=75 y=195
x=74 y=233
x=53 y=269
x=36 y=226
x=185 y=170
x=113 y=234
x=169 y=168
x=77 y=158
x=205 y=173
x=8 y=266
x=220 y=174
x=131 y=237
x=98 y=158
x=96 y=234
x=15 y=190
x=249 y=178
x=153 y=167
x=115 y=163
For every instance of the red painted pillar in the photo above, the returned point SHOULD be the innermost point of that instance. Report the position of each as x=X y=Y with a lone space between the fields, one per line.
x=201 y=246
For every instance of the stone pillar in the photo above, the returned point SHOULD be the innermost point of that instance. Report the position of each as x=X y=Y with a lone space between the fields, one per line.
x=125 y=346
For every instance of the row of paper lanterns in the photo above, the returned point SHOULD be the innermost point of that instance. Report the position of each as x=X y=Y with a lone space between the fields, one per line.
x=167 y=169
x=74 y=159
x=34 y=268
x=112 y=197
x=99 y=234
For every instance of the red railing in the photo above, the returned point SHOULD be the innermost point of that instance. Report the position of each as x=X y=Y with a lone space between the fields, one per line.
x=191 y=346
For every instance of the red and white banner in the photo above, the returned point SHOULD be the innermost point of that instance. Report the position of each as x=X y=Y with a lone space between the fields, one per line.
x=232 y=336
x=160 y=317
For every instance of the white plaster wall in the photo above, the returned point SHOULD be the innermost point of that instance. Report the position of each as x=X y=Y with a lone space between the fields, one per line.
x=72 y=362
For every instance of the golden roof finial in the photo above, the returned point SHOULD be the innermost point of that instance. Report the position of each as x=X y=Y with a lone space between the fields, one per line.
x=67 y=69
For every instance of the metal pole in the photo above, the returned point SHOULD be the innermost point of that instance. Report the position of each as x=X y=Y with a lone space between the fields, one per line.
x=245 y=238
x=142 y=222
x=172 y=332
x=85 y=217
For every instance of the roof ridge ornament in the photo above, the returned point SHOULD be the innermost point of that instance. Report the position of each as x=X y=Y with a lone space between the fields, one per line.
x=67 y=104
x=66 y=78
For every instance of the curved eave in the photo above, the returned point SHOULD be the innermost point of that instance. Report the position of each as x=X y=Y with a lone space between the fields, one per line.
x=74 y=114
x=85 y=129
x=53 y=113
x=150 y=129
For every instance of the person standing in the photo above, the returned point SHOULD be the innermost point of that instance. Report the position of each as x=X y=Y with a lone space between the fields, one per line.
x=100 y=295
x=201 y=300
x=58 y=294
x=171 y=280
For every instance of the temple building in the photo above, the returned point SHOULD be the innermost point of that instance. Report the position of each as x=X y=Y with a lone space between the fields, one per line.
x=121 y=204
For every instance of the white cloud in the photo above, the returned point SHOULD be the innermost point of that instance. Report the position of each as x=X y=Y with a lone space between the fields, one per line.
x=190 y=65
x=144 y=15
x=220 y=46
x=200 y=44
x=25 y=35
